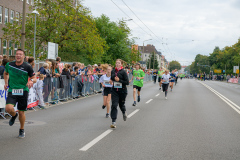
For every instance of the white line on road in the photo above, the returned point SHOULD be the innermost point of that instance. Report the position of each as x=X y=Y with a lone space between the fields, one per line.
x=93 y=142
x=134 y=112
x=158 y=94
x=229 y=102
x=149 y=101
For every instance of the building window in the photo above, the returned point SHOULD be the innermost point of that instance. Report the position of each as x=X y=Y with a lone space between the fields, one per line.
x=4 y=47
x=17 y=16
x=10 y=48
x=6 y=15
x=32 y=2
x=15 y=48
x=12 y=16
x=1 y=13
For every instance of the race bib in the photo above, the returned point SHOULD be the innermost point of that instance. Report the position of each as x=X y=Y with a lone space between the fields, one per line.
x=107 y=83
x=137 y=79
x=17 y=92
x=117 y=85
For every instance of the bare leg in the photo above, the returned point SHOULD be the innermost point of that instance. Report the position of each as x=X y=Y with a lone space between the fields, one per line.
x=108 y=103
x=134 y=94
x=9 y=108
x=105 y=100
x=22 y=119
x=138 y=93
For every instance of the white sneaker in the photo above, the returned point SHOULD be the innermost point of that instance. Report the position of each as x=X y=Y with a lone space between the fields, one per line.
x=165 y=97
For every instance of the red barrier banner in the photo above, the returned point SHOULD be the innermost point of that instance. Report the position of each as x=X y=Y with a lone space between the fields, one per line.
x=233 y=80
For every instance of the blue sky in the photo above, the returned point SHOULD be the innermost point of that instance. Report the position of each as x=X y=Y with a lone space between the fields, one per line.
x=185 y=27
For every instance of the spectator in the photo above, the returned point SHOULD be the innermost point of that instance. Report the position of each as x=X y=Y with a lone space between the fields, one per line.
x=228 y=77
x=2 y=67
x=26 y=59
x=1 y=57
x=66 y=78
x=75 y=64
x=39 y=91
x=58 y=60
x=43 y=69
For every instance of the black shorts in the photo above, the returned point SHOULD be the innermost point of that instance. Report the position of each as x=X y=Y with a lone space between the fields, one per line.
x=107 y=91
x=159 y=79
x=138 y=88
x=21 y=100
x=165 y=87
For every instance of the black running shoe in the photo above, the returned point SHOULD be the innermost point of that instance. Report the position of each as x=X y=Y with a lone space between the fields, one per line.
x=138 y=98
x=21 y=133
x=103 y=107
x=107 y=115
x=134 y=104
x=12 y=120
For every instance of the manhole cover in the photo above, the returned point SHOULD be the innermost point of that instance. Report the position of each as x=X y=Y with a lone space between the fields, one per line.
x=27 y=123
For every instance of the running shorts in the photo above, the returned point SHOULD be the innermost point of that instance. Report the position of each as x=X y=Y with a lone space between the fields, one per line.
x=107 y=91
x=159 y=79
x=21 y=100
x=165 y=86
x=138 y=88
x=172 y=81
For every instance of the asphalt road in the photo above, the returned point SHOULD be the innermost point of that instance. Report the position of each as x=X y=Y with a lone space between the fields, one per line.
x=195 y=123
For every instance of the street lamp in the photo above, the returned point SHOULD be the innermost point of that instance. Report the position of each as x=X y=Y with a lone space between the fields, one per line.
x=127 y=19
x=143 y=49
x=35 y=12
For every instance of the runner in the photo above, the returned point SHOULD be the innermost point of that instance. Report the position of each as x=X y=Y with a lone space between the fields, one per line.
x=107 y=88
x=16 y=78
x=165 y=82
x=138 y=76
x=176 y=74
x=119 y=78
x=155 y=76
x=173 y=77
x=160 y=73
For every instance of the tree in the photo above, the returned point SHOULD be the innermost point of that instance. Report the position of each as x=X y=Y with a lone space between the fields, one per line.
x=60 y=22
x=174 y=65
x=116 y=36
x=151 y=60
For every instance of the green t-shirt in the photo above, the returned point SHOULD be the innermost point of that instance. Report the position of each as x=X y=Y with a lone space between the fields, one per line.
x=138 y=73
x=160 y=73
x=18 y=75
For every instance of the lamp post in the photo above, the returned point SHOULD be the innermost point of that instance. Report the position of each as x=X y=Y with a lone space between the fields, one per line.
x=143 y=49
x=35 y=12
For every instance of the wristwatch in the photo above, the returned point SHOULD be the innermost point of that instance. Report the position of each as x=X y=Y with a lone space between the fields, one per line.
x=31 y=80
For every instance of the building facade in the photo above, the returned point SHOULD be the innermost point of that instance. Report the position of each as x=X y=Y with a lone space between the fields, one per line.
x=147 y=52
x=10 y=10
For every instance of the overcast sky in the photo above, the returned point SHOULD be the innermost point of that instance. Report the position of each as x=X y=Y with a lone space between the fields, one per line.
x=186 y=27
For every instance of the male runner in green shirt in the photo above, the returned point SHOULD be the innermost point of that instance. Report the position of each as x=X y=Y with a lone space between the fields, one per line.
x=16 y=81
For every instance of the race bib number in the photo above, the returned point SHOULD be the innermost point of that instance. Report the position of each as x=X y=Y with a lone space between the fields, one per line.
x=137 y=79
x=117 y=85
x=17 y=92
x=107 y=84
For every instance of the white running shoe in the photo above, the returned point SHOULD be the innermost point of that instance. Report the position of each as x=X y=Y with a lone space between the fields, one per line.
x=165 y=97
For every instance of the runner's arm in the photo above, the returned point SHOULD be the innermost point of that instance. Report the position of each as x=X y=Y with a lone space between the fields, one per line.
x=6 y=78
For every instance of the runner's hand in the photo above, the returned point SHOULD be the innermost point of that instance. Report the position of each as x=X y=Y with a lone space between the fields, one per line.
x=130 y=81
x=111 y=82
x=6 y=86
x=117 y=79
x=30 y=84
x=103 y=86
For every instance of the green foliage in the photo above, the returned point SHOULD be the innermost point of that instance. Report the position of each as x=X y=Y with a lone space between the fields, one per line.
x=58 y=21
x=153 y=62
x=118 y=45
x=174 y=65
x=218 y=59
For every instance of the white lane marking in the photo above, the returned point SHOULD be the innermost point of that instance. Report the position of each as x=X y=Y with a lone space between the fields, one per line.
x=236 y=87
x=134 y=112
x=93 y=142
x=149 y=101
x=229 y=102
x=158 y=94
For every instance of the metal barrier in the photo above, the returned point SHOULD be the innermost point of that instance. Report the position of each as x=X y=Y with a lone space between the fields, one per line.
x=63 y=89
